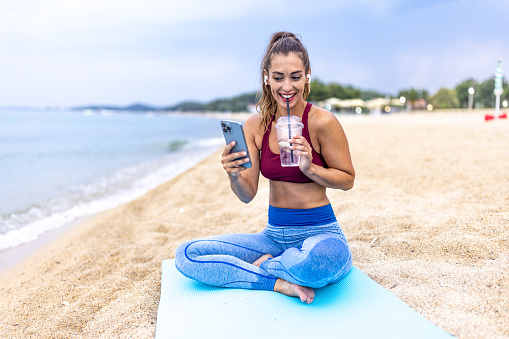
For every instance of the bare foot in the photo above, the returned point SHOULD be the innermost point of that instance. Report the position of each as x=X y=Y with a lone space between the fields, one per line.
x=261 y=259
x=305 y=294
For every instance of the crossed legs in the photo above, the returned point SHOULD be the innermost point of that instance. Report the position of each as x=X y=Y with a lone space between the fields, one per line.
x=255 y=261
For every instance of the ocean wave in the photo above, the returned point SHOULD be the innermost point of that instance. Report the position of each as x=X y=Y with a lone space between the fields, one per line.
x=107 y=192
x=209 y=142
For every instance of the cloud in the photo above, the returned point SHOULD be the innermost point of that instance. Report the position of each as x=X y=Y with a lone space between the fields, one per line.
x=73 y=52
x=68 y=79
x=58 y=16
x=51 y=15
x=446 y=67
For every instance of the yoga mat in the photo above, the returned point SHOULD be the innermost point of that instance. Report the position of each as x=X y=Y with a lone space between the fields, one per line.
x=355 y=307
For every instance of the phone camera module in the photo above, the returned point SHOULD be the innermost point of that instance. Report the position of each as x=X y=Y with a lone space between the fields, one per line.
x=229 y=129
x=225 y=130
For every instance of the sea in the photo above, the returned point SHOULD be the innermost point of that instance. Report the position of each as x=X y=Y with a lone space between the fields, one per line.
x=57 y=167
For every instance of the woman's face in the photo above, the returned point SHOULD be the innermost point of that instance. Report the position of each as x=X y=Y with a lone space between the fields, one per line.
x=287 y=79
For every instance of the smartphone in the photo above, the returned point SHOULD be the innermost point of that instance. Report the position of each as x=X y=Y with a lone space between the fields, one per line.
x=232 y=131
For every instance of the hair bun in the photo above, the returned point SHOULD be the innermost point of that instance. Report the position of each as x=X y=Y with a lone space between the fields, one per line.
x=282 y=35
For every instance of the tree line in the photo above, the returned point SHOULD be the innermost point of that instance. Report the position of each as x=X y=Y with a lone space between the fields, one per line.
x=458 y=96
x=237 y=103
x=319 y=91
x=444 y=98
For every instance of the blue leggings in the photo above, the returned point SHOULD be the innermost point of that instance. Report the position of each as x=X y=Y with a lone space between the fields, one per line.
x=308 y=246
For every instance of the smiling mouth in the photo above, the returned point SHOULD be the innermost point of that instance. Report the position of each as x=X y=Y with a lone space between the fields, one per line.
x=287 y=97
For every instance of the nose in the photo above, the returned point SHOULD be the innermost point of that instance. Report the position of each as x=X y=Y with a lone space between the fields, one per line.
x=287 y=85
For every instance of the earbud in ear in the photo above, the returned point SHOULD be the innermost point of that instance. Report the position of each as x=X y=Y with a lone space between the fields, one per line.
x=265 y=78
x=309 y=78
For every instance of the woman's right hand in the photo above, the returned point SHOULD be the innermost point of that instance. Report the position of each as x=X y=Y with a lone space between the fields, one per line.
x=230 y=165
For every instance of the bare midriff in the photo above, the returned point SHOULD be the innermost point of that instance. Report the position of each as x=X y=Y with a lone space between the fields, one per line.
x=293 y=195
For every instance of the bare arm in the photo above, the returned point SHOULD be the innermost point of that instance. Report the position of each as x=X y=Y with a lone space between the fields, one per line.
x=335 y=151
x=244 y=181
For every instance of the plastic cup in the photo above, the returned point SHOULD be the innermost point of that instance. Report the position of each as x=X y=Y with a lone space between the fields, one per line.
x=288 y=127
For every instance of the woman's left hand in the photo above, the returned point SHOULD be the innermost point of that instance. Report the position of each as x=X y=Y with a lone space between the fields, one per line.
x=299 y=143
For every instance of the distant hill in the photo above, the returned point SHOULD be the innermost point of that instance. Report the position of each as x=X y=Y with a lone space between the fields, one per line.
x=319 y=91
x=134 y=107
x=237 y=103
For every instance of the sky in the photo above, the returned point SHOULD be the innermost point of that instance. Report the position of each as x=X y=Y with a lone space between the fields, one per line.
x=161 y=52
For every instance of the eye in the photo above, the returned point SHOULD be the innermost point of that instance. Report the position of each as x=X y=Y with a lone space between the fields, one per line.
x=278 y=78
x=296 y=78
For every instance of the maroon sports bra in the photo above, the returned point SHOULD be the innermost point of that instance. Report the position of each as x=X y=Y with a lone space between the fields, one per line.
x=270 y=164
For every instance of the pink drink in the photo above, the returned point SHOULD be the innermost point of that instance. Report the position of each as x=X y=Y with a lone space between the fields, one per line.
x=288 y=127
x=286 y=155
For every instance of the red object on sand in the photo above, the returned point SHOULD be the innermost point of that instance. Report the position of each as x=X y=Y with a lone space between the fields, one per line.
x=503 y=116
x=488 y=117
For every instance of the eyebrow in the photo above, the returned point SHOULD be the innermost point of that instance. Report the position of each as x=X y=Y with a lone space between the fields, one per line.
x=290 y=73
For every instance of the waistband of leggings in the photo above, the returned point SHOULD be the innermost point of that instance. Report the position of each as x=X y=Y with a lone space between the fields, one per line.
x=301 y=217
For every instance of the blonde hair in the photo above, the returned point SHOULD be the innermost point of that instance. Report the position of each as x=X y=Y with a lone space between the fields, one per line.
x=281 y=43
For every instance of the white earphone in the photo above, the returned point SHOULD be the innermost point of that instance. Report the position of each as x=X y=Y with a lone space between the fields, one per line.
x=309 y=78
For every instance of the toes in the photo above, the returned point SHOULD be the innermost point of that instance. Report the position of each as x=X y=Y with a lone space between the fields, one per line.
x=304 y=296
x=309 y=295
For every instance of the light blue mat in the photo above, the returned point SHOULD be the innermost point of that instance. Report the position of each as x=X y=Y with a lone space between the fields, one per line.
x=355 y=307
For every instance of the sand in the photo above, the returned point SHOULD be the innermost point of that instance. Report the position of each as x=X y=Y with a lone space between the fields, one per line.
x=428 y=219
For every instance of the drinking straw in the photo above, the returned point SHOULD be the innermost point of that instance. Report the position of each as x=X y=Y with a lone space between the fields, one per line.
x=289 y=130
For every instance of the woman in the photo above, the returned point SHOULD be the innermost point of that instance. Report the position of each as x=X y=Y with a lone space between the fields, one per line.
x=303 y=246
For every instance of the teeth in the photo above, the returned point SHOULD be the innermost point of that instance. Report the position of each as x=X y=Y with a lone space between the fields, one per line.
x=287 y=96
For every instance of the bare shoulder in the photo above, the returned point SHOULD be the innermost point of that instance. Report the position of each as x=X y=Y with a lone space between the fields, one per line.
x=253 y=131
x=253 y=121
x=252 y=125
x=321 y=120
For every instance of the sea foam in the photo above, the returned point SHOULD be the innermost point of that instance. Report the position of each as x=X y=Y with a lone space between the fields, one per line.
x=107 y=192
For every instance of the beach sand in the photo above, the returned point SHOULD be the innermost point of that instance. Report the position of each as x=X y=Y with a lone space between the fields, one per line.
x=428 y=219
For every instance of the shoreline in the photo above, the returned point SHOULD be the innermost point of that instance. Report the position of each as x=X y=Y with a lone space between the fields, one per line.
x=107 y=161
x=13 y=256
x=423 y=220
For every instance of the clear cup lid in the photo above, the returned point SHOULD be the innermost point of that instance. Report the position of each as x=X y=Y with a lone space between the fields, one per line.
x=286 y=120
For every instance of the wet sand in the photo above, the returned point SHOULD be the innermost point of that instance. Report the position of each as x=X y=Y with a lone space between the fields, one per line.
x=428 y=219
